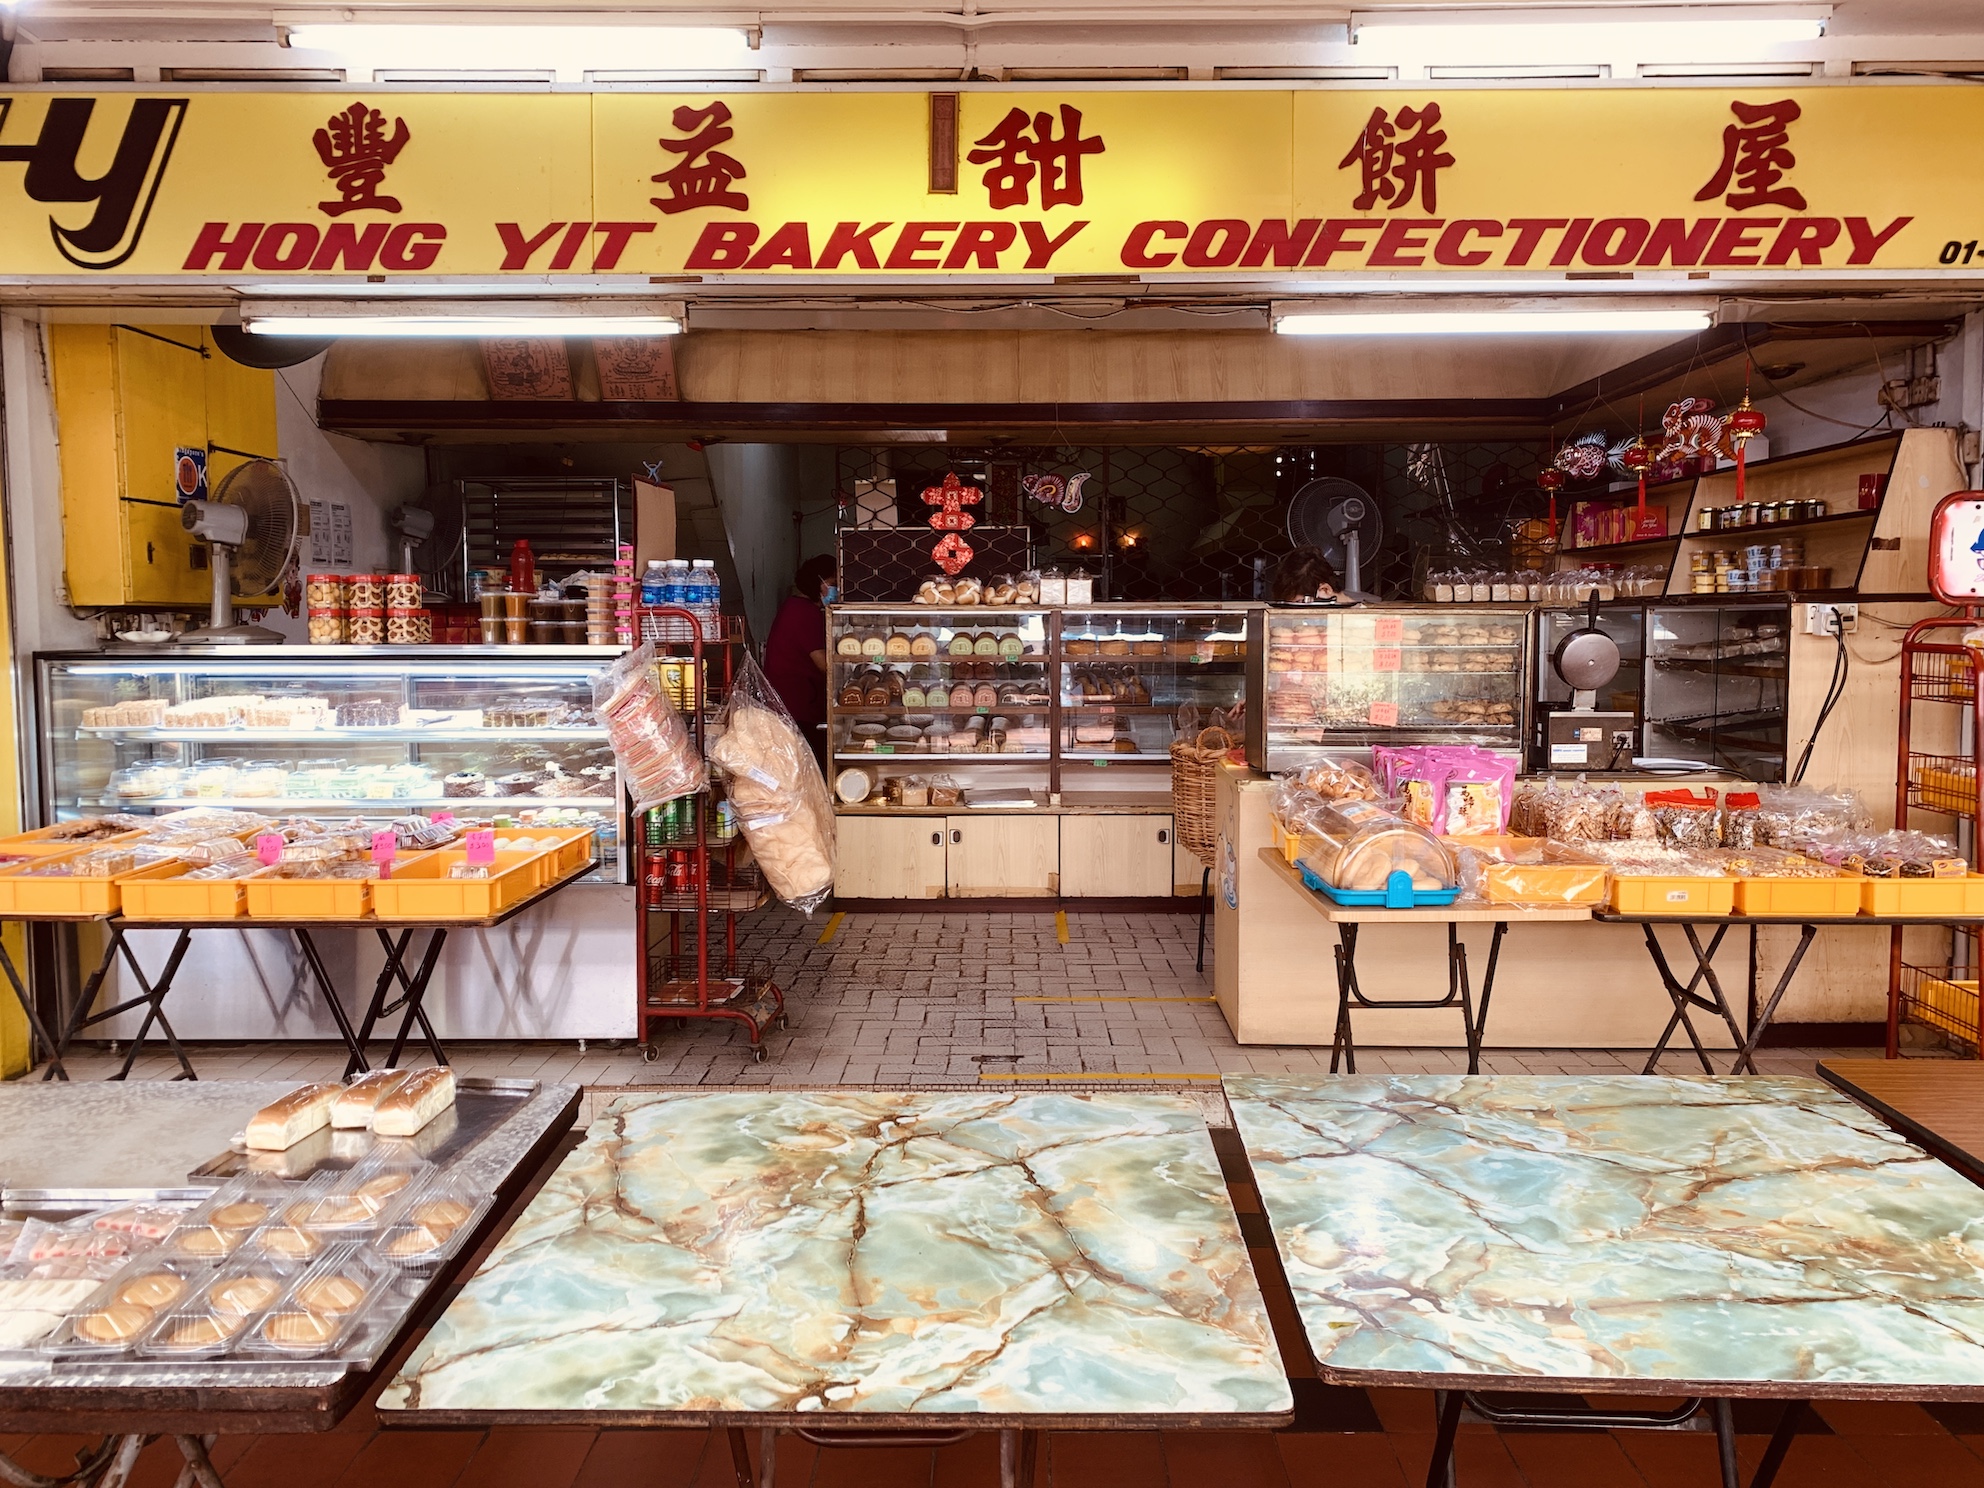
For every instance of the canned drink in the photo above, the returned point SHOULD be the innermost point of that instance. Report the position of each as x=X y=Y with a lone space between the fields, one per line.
x=678 y=870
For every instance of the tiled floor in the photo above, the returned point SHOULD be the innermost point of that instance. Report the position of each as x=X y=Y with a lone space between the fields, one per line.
x=952 y=1000
x=1000 y=999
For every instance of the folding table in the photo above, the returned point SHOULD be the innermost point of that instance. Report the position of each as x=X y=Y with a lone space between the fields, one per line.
x=866 y=1268
x=1460 y=993
x=1713 y=1239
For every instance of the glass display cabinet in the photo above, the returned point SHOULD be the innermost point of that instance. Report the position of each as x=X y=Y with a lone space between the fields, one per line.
x=1717 y=681
x=1125 y=672
x=1323 y=680
x=366 y=733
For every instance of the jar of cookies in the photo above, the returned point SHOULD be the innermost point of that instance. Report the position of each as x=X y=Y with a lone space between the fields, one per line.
x=400 y=625
x=366 y=627
x=326 y=627
x=403 y=591
x=324 y=591
x=365 y=591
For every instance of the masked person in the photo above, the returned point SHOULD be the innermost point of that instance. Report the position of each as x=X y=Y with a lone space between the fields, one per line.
x=796 y=650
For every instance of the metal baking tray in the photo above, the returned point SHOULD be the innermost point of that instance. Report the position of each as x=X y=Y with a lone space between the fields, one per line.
x=481 y=1105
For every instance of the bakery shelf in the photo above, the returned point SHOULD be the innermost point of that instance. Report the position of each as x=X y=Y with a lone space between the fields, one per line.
x=489 y=735
x=369 y=805
x=1005 y=757
x=1744 y=536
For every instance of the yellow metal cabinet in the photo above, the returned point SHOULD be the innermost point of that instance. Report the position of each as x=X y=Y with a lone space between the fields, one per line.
x=879 y=857
x=126 y=399
x=1110 y=857
x=1002 y=856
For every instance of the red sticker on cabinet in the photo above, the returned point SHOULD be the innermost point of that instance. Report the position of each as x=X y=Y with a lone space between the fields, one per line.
x=1388 y=630
x=1385 y=659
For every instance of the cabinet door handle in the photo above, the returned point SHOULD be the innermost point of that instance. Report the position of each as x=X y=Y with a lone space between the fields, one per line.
x=957 y=836
x=936 y=839
x=1163 y=834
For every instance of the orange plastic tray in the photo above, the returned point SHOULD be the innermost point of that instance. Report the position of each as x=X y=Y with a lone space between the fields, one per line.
x=1823 y=897
x=1674 y=896
x=308 y=898
x=173 y=898
x=421 y=890
x=23 y=895
x=1952 y=898
x=41 y=844
x=575 y=849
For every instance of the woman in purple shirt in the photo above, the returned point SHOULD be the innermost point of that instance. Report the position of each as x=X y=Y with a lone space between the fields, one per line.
x=796 y=649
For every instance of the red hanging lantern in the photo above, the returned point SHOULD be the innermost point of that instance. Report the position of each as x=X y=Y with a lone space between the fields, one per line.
x=1551 y=481
x=1745 y=423
x=1637 y=457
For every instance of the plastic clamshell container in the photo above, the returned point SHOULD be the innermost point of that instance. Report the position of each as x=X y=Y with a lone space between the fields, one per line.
x=1534 y=870
x=44 y=842
x=309 y=898
x=173 y=898
x=1824 y=898
x=312 y=1319
x=320 y=1208
x=25 y=893
x=1957 y=898
x=121 y=1298
x=1667 y=894
x=1398 y=892
x=1358 y=847
x=434 y=1222
x=421 y=889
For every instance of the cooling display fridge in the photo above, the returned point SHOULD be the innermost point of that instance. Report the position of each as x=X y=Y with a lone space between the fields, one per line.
x=1324 y=681
x=369 y=733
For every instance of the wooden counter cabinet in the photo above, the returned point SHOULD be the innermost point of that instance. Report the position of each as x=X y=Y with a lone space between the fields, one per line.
x=1116 y=856
x=889 y=857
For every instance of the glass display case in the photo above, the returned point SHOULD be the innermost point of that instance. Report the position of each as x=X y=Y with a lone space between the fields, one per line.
x=955 y=689
x=1717 y=678
x=1322 y=680
x=292 y=730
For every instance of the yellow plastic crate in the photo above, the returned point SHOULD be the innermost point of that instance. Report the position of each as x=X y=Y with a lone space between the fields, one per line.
x=421 y=890
x=308 y=898
x=1291 y=845
x=41 y=843
x=1948 y=898
x=574 y=850
x=1949 y=1005
x=1823 y=898
x=1663 y=895
x=173 y=898
x=23 y=895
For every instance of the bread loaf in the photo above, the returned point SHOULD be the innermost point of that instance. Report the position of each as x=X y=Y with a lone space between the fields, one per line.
x=425 y=1094
x=357 y=1101
x=286 y=1122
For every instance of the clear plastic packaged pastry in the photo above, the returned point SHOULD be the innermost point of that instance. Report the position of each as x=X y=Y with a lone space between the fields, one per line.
x=657 y=758
x=1358 y=845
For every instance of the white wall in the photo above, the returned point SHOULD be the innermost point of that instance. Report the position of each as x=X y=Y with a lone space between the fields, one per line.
x=756 y=487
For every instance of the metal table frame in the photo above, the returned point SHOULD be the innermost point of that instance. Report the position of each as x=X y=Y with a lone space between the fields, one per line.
x=1748 y=1034
x=1460 y=991
x=395 y=938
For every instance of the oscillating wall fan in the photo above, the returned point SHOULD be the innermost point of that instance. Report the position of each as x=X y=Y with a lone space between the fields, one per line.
x=1339 y=517
x=251 y=525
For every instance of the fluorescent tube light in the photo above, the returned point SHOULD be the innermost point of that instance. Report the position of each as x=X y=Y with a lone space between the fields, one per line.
x=1749 y=33
x=1489 y=322
x=589 y=317
x=566 y=49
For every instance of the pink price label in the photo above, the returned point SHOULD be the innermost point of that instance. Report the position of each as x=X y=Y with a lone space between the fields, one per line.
x=385 y=847
x=482 y=847
x=1388 y=630
x=440 y=816
x=1383 y=715
x=268 y=847
x=1386 y=659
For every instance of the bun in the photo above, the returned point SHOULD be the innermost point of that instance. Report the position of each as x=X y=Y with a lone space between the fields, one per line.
x=425 y=1095
x=284 y=1123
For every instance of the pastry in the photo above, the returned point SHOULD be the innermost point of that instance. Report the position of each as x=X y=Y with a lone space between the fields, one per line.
x=1079 y=646
x=522 y=783
x=960 y=644
x=850 y=645
x=464 y=783
x=242 y=1215
x=355 y=1103
x=444 y=1215
x=245 y=1294
x=155 y=1289
x=896 y=647
x=429 y=1092
x=874 y=646
x=926 y=593
x=985 y=644
x=923 y=645
x=117 y=1323
x=205 y=1240
x=334 y=1209
x=376 y=1190
x=286 y=1122
x=299 y=1330
x=333 y=1296
x=200 y=1330
x=287 y=1240
x=414 y=1240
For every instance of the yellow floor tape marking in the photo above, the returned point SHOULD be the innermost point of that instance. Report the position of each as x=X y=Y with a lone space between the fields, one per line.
x=1061 y=926
x=833 y=927
x=1115 y=999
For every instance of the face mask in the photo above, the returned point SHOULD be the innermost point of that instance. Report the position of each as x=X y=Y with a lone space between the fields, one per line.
x=832 y=594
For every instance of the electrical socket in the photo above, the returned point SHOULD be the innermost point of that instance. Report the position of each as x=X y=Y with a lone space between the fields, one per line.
x=1831 y=619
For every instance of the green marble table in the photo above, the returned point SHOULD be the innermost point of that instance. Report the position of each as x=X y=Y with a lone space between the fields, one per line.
x=866 y=1260
x=1708 y=1238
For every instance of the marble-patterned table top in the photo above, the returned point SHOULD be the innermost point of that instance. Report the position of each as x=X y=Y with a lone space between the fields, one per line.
x=779 y=1256
x=1764 y=1235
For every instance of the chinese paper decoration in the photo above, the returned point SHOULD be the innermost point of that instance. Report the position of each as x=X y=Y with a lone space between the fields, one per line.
x=1690 y=430
x=1551 y=481
x=950 y=499
x=1745 y=424
x=1052 y=490
x=1583 y=458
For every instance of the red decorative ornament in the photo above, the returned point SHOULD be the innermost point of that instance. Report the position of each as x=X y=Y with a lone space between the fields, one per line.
x=1551 y=481
x=1637 y=457
x=1745 y=423
x=952 y=553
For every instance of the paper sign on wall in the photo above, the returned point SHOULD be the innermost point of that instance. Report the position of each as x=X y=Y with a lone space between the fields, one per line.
x=330 y=531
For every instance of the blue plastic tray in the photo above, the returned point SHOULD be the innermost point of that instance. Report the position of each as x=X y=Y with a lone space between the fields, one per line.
x=1398 y=892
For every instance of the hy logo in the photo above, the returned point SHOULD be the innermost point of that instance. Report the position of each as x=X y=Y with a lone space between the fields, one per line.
x=122 y=195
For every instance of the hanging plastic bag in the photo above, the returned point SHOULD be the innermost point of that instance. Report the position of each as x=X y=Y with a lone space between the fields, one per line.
x=657 y=758
x=781 y=798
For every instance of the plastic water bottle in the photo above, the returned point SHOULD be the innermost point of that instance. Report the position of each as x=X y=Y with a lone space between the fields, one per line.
x=709 y=599
x=654 y=583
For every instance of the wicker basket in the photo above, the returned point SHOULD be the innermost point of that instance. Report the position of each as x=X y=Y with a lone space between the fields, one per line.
x=1194 y=789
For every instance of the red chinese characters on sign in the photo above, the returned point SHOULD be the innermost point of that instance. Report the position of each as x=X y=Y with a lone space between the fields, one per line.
x=1755 y=155
x=1021 y=148
x=703 y=177
x=356 y=147
x=951 y=498
x=1399 y=156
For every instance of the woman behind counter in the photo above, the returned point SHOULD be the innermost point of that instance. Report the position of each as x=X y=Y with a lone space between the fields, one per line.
x=1305 y=577
x=796 y=650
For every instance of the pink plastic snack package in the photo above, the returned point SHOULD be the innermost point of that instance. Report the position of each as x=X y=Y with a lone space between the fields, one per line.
x=1453 y=790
